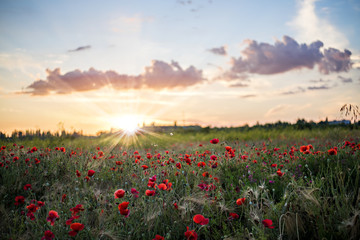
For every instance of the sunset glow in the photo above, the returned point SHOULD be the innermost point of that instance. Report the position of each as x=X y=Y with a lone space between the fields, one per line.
x=130 y=124
x=174 y=62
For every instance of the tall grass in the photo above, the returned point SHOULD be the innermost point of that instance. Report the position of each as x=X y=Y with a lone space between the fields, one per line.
x=317 y=197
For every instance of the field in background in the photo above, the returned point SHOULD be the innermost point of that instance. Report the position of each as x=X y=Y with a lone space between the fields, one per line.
x=254 y=184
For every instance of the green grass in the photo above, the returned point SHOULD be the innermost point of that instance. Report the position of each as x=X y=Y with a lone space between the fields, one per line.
x=317 y=197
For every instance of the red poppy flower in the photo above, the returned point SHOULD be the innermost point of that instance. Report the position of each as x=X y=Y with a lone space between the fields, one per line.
x=158 y=237
x=63 y=198
x=144 y=167
x=27 y=186
x=176 y=206
x=178 y=165
x=78 y=174
x=214 y=141
x=190 y=234
x=32 y=208
x=123 y=205
x=40 y=204
x=53 y=215
x=119 y=193
x=150 y=192
x=304 y=148
x=75 y=210
x=206 y=174
x=268 y=223
x=332 y=151
x=76 y=227
x=201 y=164
x=213 y=157
x=200 y=219
x=279 y=173
x=69 y=221
x=19 y=200
x=162 y=186
x=91 y=173
x=233 y=216
x=240 y=201
x=123 y=209
x=48 y=235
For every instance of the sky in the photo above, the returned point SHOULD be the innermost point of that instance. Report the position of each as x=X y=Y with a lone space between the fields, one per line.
x=88 y=65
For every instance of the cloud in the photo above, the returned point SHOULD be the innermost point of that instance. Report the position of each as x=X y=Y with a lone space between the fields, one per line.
x=345 y=80
x=287 y=55
x=238 y=84
x=335 y=61
x=308 y=26
x=163 y=75
x=219 y=51
x=184 y=2
x=297 y=90
x=248 y=96
x=322 y=87
x=159 y=75
x=276 y=109
x=320 y=81
x=82 y=48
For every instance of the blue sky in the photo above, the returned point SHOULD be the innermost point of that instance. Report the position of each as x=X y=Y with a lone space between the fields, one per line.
x=218 y=63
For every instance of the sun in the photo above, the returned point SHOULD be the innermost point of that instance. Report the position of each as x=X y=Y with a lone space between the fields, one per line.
x=129 y=124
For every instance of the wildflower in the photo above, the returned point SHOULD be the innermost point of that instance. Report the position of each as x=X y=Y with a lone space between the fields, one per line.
x=63 y=198
x=279 y=173
x=214 y=141
x=32 y=208
x=123 y=209
x=158 y=237
x=48 y=235
x=233 y=216
x=19 y=200
x=76 y=228
x=332 y=151
x=119 y=193
x=91 y=173
x=190 y=234
x=78 y=174
x=178 y=165
x=200 y=219
x=304 y=148
x=162 y=186
x=70 y=220
x=201 y=164
x=206 y=174
x=176 y=206
x=53 y=215
x=75 y=210
x=27 y=186
x=267 y=223
x=144 y=167
x=240 y=201
x=213 y=157
x=40 y=204
x=134 y=192
x=150 y=192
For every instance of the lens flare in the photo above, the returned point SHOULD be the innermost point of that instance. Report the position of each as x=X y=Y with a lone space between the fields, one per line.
x=129 y=124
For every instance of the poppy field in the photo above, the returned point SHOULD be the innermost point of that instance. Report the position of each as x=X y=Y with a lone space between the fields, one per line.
x=217 y=185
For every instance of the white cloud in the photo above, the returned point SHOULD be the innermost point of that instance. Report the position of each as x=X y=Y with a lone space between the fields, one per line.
x=310 y=27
